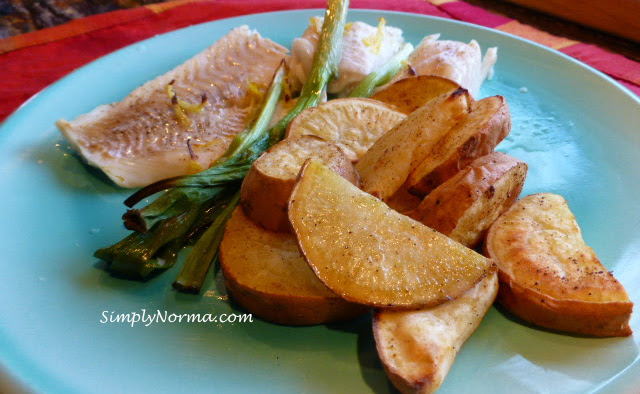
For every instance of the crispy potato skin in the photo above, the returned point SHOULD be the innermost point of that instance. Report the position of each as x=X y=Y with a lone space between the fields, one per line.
x=387 y=165
x=418 y=348
x=549 y=276
x=610 y=319
x=488 y=123
x=411 y=93
x=266 y=188
x=404 y=202
x=466 y=205
x=266 y=274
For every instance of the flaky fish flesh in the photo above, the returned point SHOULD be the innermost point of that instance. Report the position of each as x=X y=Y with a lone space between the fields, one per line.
x=454 y=60
x=364 y=49
x=182 y=121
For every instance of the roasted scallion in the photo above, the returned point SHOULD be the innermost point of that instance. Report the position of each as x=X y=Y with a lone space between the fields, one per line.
x=193 y=209
x=384 y=74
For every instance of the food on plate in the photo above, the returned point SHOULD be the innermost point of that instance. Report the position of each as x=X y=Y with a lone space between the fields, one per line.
x=369 y=254
x=468 y=203
x=213 y=192
x=365 y=48
x=354 y=124
x=267 y=187
x=418 y=348
x=488 y=123
x=265 y=273
x=385 y=167
x=383 y=74
x=404 y=202
x=411 y=93
x=188 y=214
x=180 y=122
x=549 y=276
x=454 y=60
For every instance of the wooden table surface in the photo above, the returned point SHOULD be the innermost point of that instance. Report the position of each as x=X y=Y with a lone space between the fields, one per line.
x=20 y=16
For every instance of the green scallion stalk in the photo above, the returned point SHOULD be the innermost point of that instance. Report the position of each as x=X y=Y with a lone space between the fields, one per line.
x=136 y=255
x=201 y=195
x=325 y=65
x=383 y=74
x=195 y=269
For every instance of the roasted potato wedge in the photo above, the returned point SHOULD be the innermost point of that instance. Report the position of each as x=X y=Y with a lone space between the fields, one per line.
x=458 y=61
x=549 y=276
x=404 y=202
x=488 y=123
x=354 y=124
x=368 y=253
x=411 y=93
x=468 y=203
x=266 y=274
x=266 y=188
x=418 y=348
x=386 y=166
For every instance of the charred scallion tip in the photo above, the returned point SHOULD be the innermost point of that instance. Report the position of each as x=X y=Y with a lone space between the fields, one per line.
x=325 y=64
x=384 y=74
x=168 y=205
x=139 y=255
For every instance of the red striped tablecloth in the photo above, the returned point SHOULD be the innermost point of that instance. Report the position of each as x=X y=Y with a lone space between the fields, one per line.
x=32 y=61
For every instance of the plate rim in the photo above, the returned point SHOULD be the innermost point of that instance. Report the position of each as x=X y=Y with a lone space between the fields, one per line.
x=16 y=116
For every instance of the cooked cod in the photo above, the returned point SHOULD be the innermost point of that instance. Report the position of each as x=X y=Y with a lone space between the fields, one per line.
x=454 y=60
x=182 y=121
x=364 y=49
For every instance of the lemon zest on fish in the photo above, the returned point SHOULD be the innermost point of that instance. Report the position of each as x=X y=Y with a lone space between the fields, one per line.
x=374 y=41
x=194 y=167
x=181 y=107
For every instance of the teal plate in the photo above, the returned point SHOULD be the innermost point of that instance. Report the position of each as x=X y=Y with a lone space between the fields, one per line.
x=577 y=130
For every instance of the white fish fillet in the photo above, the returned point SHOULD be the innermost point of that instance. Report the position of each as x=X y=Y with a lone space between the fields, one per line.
x=359 y=57
x=457 y=61
x=140 y=139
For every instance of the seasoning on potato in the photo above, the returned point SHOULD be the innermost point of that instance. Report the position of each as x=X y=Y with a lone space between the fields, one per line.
x=268 y=185
x=266 y=274
x=354 y=124
x=549 y=276
x=466 y=205
x=369 y=254
x=386 y=166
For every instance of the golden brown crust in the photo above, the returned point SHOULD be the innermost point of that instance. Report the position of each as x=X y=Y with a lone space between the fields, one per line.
x=387 y=165
x=292 y=310
x=581 y=317
x=266 y=274
x=464 y=206
x=418 y=348
x=369 y=254
x=404 y=202
x=411 y=93
x=266 y=188
x=549 y=276
x=488 y=123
